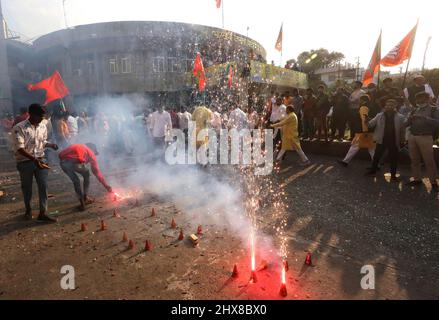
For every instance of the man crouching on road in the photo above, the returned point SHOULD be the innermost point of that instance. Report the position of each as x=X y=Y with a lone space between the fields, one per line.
x=74 y=160
x=30 y=139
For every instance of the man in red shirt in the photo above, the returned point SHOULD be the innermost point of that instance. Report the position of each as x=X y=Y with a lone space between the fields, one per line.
x=73 y=161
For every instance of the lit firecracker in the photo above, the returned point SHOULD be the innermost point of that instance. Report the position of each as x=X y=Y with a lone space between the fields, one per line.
x=283 y=287
x=253 y=277
x=122 y=195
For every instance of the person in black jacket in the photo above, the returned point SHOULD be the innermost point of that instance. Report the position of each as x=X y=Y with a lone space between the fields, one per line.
x=340 y=113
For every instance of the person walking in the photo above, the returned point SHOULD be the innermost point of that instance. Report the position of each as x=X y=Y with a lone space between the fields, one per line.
x=423 y=123
x=389 y=134
x=290 y=136
x=30 y=141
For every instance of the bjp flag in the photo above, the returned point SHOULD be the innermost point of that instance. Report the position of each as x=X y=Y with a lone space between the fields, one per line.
x=54 y=86
x=402 y=51
x=199 y=72
x=374 y=64
x=278 y=45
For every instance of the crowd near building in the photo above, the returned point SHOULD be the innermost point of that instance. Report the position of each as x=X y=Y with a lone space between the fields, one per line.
x=151 y=65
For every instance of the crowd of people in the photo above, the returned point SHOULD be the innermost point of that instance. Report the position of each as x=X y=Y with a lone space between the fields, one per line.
x=383 y=121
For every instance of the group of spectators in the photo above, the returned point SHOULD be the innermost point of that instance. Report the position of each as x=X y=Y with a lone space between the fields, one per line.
x=384 y=121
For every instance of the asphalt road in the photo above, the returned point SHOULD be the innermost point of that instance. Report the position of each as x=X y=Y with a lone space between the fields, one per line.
x=344 y=219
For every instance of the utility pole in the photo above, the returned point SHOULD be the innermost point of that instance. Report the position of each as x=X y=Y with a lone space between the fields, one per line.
x=5 y=81
x=425 y=53
x=357 y=72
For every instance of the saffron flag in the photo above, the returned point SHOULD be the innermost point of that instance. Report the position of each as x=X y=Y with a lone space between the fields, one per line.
x=374 y=64
x=54 y=86
x=402 y=51
x=278 y=45
x=218 y=3
x=199 y=72
x=230 y=75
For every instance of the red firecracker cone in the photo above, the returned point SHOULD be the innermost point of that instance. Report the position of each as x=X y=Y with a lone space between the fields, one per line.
x=148 y=246
x=286 y=266
x=308 y=260
x=83 y=227
x=253 y=277
x=283 y=290
x=173 y=224
x=125 y=237
x=153 y=212
x=200 y=230
x=235 y=273
x=103 y=225
x=131 y=245
x=181 y=235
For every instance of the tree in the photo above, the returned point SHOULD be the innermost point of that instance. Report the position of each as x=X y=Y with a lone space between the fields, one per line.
x=313 y=60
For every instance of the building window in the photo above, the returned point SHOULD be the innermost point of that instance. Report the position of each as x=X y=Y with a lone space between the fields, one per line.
x=90 y=67
x=126 y=65
x=158 y=64
x=188 y=65
x=76 y=67
x=113 y=65
x=173 y=65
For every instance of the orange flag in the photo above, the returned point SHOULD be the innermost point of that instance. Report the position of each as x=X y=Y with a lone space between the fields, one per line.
x=54 y=86
x=199 y=72
x=278 y=45
x=402 y=51
x=374 y=64
x=218 y=3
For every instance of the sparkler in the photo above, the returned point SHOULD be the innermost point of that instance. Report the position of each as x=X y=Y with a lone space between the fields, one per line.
x=253 y=277
x=283 y=288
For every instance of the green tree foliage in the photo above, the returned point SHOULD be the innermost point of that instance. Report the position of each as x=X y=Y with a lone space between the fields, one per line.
x=312 y=60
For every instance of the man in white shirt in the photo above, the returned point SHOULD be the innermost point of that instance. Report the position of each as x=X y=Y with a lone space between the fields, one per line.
x=278 y=113
x=183 y=119
x=419 y=85
x=72 y=123
x=160 y=124
x=30 y=141
x=354 y=107
x=238 y=119
x=217 y=121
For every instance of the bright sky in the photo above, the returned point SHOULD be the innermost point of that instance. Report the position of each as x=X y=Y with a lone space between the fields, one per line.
x=351 y=27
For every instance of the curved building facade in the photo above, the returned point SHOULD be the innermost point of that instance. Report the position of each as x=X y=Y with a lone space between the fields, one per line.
x=137 y=57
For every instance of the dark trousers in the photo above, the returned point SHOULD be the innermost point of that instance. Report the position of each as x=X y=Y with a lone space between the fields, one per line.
x=353 y=123
x=72 y=169
x=308 y=128
x=28 y=170
x=338 y=125
x=393 y=156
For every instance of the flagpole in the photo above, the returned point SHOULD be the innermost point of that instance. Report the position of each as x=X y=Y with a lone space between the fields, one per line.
x=379 y=69
x=406 y=72
x=282 y=47
x=222 y=9
x=63 y=105
x=408 y=62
